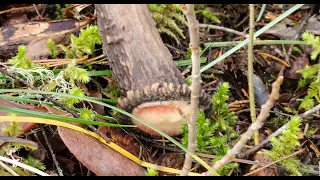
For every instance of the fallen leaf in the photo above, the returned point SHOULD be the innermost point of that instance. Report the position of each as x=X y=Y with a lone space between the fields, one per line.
x=269 y=171
x=297 y=64
x=285 y=29
x=97 y=157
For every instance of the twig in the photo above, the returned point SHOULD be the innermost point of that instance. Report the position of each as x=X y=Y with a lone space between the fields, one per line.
x=210 y=26
x=277 y=133
x=272 y=163
x=27 y=167
x=8 y=169
x=273 y=97
x=250 y=71
x=7 y=139
x=56 y=163
x=19 y=9
x=37 y=11
x=195 y=86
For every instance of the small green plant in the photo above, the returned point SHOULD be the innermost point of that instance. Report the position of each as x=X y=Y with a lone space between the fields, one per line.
x=86 y=114
x=60 y=11
x=14 y=129
x=75 y=73
x=79 y=46
x=53 y=48
x=36 y=163
x=20 y=60
x=212 y=135
x=314 y=41
x=165 y=16
x=200 y=8
x=285 y=145
x=151 y=172
x=112 y=91
x=70 y=102
x=311 y=74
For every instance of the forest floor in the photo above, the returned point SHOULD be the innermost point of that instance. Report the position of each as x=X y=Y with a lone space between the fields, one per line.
x=282 y=50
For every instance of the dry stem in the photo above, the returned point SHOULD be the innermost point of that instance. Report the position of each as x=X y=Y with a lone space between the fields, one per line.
x=264 y=114
x=195 y=86
x=250 y=71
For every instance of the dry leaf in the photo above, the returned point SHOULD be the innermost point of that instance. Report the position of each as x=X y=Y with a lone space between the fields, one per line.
x=97 y=157
x=269 y=171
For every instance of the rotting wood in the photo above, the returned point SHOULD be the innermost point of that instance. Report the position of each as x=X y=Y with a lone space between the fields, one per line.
x=151 y=83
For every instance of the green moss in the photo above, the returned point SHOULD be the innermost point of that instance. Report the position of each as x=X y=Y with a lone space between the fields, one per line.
x=311 y=74
x=86 y=114
x=20 y=60
x=151 y=172
x=285 y=145
x=212 y=135
x=166 y=17
x=14 y=129
x=85 y=43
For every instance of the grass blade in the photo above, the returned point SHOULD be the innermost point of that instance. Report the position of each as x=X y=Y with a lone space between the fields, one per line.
x=204 y=164
x=245 y=42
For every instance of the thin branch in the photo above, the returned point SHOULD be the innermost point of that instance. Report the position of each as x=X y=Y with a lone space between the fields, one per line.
x=8 y=169
x=250 y=71
x=195 y=86
x=277 y=133
x=56 y=163
x=264 y=114
x=272 y=163
x=27 y=167
x=210 y=26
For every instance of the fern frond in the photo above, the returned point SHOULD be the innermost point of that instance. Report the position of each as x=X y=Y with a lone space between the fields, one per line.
x=179 y=17
x=172 y=24
x=314 y=41
x=169 y=33
x=207 y=14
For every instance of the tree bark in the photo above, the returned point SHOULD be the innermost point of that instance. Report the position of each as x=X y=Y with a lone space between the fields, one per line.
x=142 y=66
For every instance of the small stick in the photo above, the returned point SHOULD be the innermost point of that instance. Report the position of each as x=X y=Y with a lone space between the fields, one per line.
x=8 y=169
x=27 y=167
x=37 y=11
x=210 y=26
x=278 y=132
x=272 y=163
x=250 y=71
x=264 y=114
x=195 y=86
x=56 y=163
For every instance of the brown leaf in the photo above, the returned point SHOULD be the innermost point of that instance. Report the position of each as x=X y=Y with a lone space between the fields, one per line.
x=297 y=64
x=122 y=139
x=97 y=157
x=35 y=34
x=287 y=30
x=269 y=171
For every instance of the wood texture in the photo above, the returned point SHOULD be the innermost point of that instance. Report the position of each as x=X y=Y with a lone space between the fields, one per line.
x=136 y=52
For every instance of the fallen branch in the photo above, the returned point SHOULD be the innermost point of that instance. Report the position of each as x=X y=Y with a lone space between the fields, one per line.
x=264 y=114
x=210 y=26
x=277 y=133
x=27 y=167
x=270 y=164
x=195 y=86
